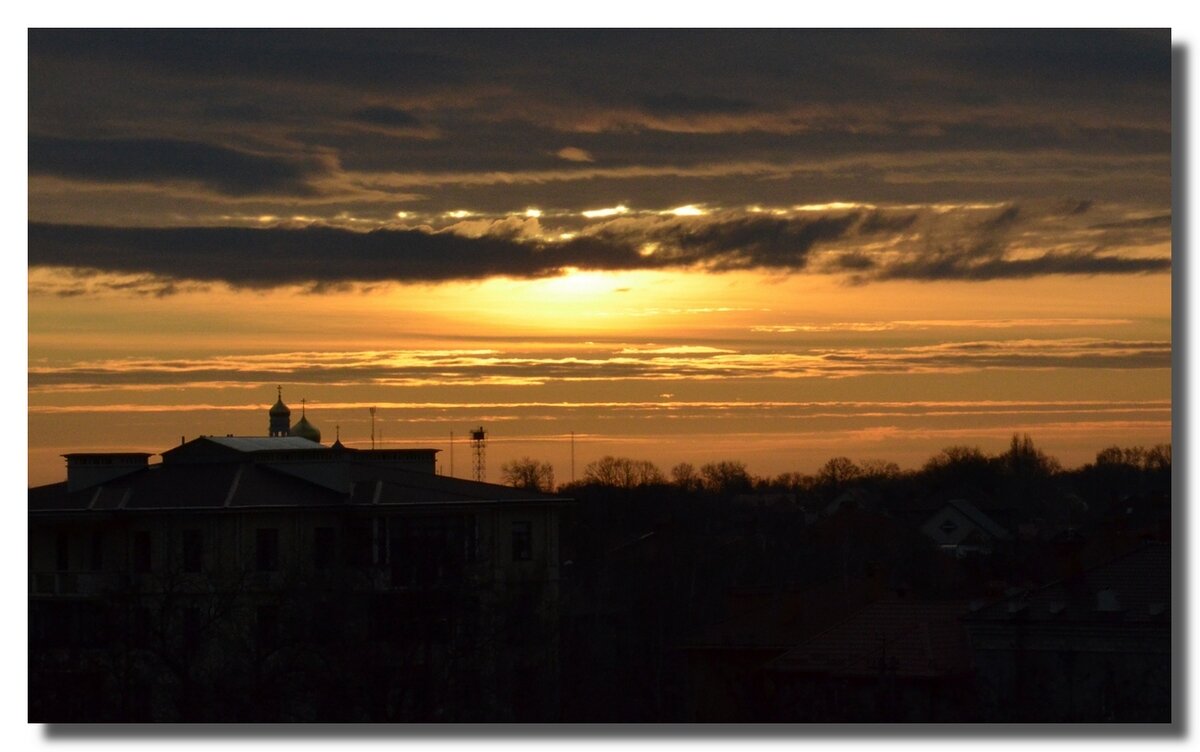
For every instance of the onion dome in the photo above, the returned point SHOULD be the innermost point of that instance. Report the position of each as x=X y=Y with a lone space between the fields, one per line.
x=279 y=408
x=280 y=415
x=304 y=429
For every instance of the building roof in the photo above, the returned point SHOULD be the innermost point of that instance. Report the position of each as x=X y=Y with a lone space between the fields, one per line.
x=244 y=473
x=901 y=637
x=263 y=443
x=766 y=617
x=978 y=518
x=1132 y=588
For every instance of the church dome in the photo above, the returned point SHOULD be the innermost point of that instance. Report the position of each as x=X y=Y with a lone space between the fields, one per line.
x=306 y=430
x=279 y=416
x=280 y=409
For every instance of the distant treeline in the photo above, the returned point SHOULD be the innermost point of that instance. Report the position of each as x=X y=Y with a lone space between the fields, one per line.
x=956 y=471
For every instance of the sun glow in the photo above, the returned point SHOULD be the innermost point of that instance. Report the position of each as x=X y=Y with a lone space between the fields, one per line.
x=609 y=212
x=578 y=283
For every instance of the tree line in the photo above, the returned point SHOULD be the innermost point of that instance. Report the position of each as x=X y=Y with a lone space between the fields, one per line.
x=1022 y=469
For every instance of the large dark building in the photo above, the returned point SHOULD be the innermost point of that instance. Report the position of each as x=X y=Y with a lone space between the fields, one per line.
x=276 y=578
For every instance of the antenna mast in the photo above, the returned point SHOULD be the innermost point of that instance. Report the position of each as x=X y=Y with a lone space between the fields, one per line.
x=372 y=409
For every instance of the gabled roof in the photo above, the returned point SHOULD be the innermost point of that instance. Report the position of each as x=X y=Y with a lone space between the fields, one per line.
x=1138 y=583
x=977 y=518
x=901 y=637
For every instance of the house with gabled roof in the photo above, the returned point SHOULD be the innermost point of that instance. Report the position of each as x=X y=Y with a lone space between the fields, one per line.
x=959 y=527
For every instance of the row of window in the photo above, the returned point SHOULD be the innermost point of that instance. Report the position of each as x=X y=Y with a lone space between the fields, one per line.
x=420 y=544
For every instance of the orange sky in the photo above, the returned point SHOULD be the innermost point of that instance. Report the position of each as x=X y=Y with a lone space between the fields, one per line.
x=943 y=238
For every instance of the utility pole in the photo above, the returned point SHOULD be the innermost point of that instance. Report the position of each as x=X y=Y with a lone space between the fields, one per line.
x=372 y=409
x=572 y=456
x=451 y=454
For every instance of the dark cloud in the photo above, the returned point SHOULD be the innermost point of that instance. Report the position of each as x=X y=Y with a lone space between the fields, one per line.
x=752 y=242
x=227 y=171
x=1080 y=57
x=386 y=116
x=326 y=259
x=1157 y=221
x=843 y=114
x=857 y=262
x=969 y=267
x=355 y=58
x=689 y=104
x=1004 y=219
x=1077 y=207
x=881 y=222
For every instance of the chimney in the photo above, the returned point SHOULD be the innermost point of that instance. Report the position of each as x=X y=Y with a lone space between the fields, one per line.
x=87 y=469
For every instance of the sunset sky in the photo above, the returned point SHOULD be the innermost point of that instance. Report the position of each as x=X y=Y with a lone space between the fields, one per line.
x=769 y=246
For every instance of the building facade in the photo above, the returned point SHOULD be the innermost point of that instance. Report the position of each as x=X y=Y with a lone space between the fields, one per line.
x=276 y=578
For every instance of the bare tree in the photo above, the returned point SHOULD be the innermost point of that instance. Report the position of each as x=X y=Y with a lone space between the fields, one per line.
x=727 y=476
x=685 y=476
x=529 y=473
x=622 y=472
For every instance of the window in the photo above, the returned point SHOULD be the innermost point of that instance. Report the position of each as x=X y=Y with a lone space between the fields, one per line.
x=96 y=563
x=141 y=551
x=267 y=628
x=192 y=626
x=324 y=623
x=522 y=541
x=266 y=549
x=323 y=547
x=62 y=552
x=429 y=550
x=193 y=551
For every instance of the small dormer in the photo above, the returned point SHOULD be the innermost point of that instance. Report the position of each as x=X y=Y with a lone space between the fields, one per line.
x=87 y=469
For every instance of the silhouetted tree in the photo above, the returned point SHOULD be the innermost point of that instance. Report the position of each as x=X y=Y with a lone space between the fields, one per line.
x=685 y=476
x=960 y=471
x=529 y=473
x=622 y=472
x=726 y=477
x=835 y=476
x=879 y=469
x=795 y=482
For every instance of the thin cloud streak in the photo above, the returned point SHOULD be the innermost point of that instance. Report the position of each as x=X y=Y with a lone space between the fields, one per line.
x=408 y=368
x=814 y=409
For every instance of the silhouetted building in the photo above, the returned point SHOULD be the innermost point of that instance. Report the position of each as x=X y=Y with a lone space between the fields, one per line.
x=1093 y=647
x=961 y=528
x=273 y=578
x=895 y=660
